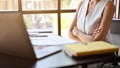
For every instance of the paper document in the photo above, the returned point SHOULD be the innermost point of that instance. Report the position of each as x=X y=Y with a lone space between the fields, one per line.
x=51 y=39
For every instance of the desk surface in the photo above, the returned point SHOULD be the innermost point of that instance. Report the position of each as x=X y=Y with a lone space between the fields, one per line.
x=57 y=60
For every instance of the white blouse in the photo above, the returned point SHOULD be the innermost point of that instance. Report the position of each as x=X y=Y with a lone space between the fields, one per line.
x=88 y=23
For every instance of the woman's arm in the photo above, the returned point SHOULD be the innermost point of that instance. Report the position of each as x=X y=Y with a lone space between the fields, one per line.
x=70 y=33
x=101 y=31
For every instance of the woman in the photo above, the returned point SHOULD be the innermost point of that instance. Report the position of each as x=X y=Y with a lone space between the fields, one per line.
x=92 y=20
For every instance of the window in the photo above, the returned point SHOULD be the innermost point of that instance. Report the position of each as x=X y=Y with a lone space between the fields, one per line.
x=41 y=22
x=66 y=20
x=39 y=4
x=69 y=4
x=8 y=5
x=44 y=15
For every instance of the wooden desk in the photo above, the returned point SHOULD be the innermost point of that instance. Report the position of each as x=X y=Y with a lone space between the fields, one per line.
x=58 y=60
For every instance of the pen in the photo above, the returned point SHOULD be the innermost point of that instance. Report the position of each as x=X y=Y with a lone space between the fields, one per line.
x=42 y=36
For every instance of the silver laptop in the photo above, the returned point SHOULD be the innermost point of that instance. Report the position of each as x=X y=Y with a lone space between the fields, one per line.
x=14 y=39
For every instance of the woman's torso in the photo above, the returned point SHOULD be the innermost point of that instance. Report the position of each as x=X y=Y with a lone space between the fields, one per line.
x=88 y=23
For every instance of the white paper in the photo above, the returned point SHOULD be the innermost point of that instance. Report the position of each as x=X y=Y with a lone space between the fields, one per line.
x=51 y=40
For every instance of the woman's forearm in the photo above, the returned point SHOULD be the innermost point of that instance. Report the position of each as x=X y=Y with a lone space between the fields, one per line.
x=73 y=36
x=85 y=38
x=81 y=36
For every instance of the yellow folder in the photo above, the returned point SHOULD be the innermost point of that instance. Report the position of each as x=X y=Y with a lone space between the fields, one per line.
x=91 y=48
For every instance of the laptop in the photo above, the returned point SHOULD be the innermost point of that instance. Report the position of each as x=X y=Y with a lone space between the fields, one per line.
x=15 y=41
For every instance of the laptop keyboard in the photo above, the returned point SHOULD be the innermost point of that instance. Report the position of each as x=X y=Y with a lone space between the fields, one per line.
x=46 y=51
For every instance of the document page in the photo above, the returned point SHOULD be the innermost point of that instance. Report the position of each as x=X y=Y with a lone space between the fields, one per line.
x=51 y=39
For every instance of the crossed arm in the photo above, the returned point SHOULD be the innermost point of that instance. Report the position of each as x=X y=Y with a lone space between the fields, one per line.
x=100 y=32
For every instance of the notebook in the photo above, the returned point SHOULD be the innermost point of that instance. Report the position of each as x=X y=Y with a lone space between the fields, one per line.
x=92 y=48
x=15 y=41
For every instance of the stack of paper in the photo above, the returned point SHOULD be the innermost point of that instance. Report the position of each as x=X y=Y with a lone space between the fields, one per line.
x=91 y=48
x=50 y=39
